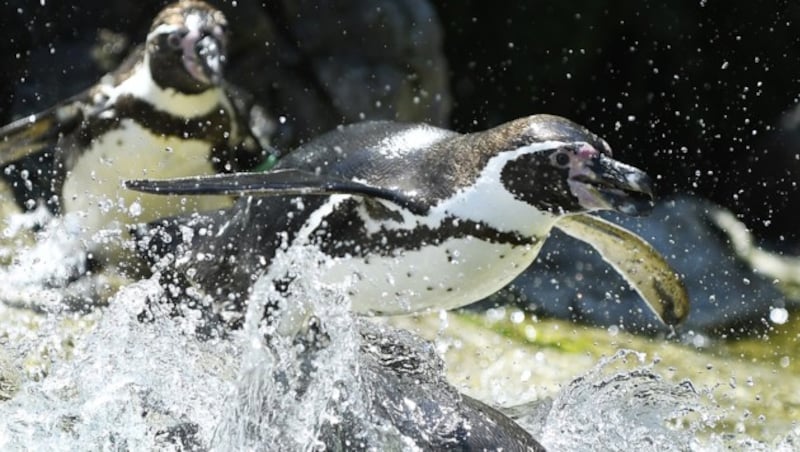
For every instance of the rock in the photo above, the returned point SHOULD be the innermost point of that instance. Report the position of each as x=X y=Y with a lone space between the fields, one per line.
x=9 y=376
x=376 y=60
x=394 y=397
x=406 y=383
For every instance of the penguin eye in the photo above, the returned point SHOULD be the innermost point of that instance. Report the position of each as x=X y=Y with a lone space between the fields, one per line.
x=562 y=159
x=175 y=39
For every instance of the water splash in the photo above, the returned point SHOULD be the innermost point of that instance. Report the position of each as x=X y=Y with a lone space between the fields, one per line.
x=623 y=405
x=129 y=385
x=143 y=386
x=37 y=271
x=287 y=390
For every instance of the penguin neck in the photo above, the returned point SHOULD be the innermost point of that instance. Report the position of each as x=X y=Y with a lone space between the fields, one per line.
x=505 y=214
x=141 y=85
x=488 y=201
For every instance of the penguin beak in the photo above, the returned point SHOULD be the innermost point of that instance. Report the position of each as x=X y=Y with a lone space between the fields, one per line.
x=606 y=184
x=204 y=57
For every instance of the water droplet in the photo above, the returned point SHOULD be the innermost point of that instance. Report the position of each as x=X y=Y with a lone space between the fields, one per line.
x=135 y=209
x=778 y=316
x=517 y=317
x=530 y=333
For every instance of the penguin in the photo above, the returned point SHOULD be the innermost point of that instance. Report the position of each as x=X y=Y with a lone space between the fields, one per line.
x=410 y=217
x=165 y=112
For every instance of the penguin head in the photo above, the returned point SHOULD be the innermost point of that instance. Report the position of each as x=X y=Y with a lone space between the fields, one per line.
x=186 y=47
x=560 y=167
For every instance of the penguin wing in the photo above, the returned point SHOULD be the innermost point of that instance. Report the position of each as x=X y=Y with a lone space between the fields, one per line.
x=33 y=133
x=635 y=260
x=281 y=182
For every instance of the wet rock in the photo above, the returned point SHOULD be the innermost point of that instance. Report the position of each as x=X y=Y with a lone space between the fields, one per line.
x=410 y=394
x=328 y=63
x=182 y=436
x=569 y=280
x=395 y=397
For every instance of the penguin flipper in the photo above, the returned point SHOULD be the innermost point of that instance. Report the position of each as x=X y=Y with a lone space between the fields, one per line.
x=282 y=182
x=635 y=260
x=33 y=133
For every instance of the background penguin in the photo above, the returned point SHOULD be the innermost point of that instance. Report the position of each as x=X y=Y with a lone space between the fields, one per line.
x=410 y=216
x=165 y=112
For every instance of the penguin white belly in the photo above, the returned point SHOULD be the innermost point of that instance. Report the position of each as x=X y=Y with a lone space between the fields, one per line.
x=93 y=188
x=440 y=277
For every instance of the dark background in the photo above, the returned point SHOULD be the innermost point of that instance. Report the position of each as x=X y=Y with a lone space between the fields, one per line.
x=692 y=91
x=699 y=92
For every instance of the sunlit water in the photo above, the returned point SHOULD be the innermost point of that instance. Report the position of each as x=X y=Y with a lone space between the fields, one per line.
x=129 y=385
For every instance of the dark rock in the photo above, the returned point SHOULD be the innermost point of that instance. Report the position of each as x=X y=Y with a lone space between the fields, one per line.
x=408 y=391
x=395 y=396
x=182 y=437
x=320 y=64
x=569 y=280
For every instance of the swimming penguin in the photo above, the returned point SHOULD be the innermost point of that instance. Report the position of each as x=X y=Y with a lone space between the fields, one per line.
x=165 y=112
x=411 y=217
